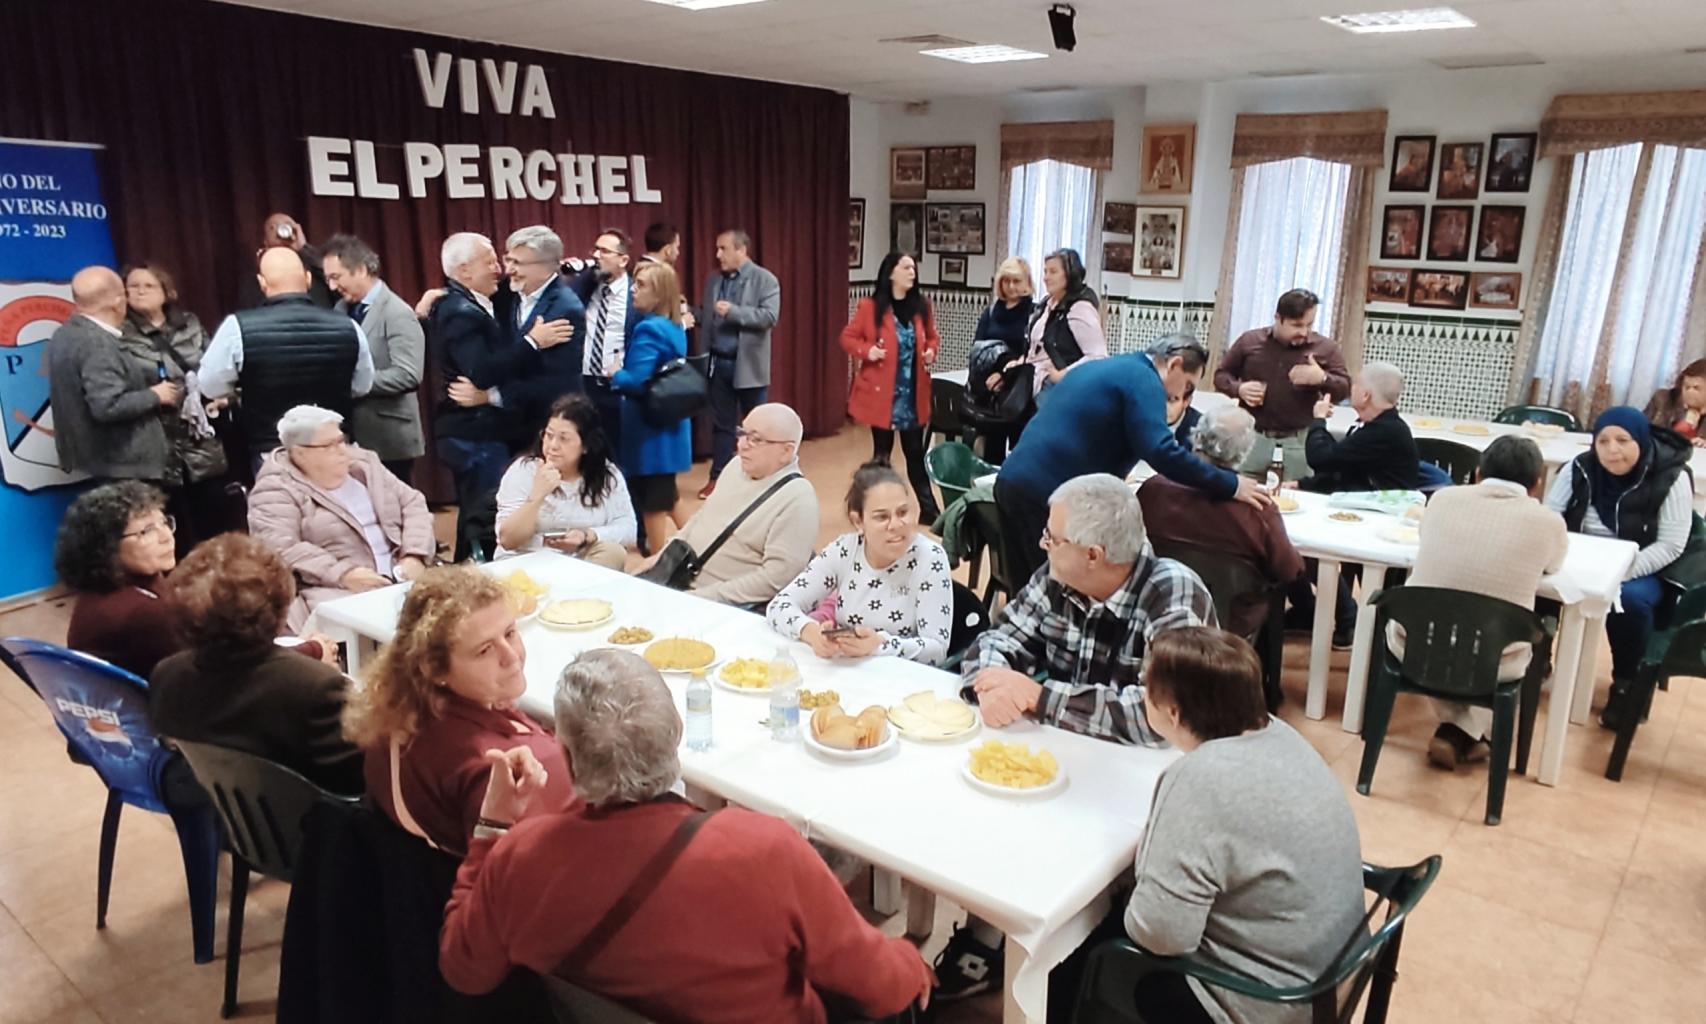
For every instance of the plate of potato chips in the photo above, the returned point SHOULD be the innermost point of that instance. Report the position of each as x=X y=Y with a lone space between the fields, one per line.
x=1013 y=770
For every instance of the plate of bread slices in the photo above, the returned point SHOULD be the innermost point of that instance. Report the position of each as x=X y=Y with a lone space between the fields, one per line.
x=842 y=737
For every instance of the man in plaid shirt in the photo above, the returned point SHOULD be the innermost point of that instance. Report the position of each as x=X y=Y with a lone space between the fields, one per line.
x=1081 y=624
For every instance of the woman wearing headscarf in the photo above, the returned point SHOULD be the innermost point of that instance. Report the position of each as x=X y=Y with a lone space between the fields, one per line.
x=1067 y=329
x=1632 y=484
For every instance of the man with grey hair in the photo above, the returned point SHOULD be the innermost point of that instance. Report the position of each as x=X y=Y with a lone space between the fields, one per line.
x=742 y=302
x=387 y=420
x=593 y=894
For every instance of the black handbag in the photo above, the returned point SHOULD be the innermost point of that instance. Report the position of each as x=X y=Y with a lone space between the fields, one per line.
x=678 y=565
x=679 y=389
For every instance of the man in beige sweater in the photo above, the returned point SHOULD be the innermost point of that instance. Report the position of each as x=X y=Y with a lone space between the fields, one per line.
x=774 y=544
x=1494 y=538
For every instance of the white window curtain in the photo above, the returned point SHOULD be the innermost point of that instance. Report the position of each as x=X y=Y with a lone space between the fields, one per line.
x=1052 y=205
x=1290 y=235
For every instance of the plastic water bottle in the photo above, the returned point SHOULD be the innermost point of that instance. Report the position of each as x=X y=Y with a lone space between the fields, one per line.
x=699 y=712
x=784 y=697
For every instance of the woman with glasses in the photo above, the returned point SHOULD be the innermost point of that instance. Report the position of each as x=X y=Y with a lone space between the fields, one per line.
x=567 y=495
x=114 y=549
x=339 y=519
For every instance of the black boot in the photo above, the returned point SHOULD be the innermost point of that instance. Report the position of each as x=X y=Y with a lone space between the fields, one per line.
x=1617 y=704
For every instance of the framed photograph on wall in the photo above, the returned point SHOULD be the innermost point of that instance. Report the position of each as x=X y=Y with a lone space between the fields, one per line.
x=1389 y=284
x=954 y=228
x=906 y=229
x=906 y=173
x=1412 y=164
x=1168 y=150
x=952 y=168
x=1497 y=290
x=1439 y=289
x=1401 y=233
x=951 y=269
x=1499 y=239
x=1459 y=170
x=1160 y=242
x=1116 y=256
x=1448 y=233
x=1510 y=162
x=855 y=233
x=1119 y=218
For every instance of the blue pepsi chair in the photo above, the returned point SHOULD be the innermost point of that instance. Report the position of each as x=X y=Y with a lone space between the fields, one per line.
x=103 y=712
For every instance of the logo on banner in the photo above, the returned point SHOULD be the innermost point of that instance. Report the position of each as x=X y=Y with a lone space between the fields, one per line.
x=29 y=314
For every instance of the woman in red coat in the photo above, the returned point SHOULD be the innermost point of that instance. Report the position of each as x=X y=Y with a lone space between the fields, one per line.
x=893 y=335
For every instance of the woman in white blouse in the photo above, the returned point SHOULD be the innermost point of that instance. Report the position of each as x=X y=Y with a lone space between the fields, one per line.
x=568 y=494
x=882 y=589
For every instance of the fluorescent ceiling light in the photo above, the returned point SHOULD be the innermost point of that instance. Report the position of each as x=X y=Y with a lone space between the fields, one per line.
x=704 y=5
x=984 y=54
x=1418 y=20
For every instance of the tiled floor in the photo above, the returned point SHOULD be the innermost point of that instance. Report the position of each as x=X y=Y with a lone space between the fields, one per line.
x=1588 y=904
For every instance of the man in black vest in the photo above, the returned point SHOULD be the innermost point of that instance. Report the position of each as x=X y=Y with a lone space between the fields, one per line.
x=288 y=352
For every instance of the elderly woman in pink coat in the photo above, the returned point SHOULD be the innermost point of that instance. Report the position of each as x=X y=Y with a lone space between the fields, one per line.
x=335 y=514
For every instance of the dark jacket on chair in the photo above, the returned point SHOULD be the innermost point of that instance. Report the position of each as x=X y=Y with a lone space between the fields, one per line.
x=1379 y=455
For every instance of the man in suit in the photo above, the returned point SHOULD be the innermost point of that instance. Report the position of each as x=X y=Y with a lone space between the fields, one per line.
x=282 y=231
x=742 y=302
x=387 y=421
x=106 y=412
x=607 y=289
x=663 y=245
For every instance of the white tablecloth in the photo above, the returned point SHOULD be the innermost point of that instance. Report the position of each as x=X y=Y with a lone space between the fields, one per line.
x=1036 y=869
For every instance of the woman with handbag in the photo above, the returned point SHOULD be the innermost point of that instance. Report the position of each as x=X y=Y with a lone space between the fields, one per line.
x=893 y=334
x=651 y=455
x=1068 y=328
x=993 y=392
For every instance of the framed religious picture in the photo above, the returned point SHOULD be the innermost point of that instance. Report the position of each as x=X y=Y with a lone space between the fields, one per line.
x=855 y=233
x=954 y=228
x=1499 y=239
x=1167 y=153
x=1401 y=233
x=1497 y=290
x=906 y=229
x=1510 y=162
x=952 y=168
x=1412 y=164
x=1116 y=256
x=1119 y=218
x=1439 y=289
x=906 y=173
x=1389 y=284
x=952 y=270
x=1448 y=233
x=1160 y=242
x=1459 y=170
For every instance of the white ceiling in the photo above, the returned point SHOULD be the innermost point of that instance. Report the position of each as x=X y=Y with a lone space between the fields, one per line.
x=834 y=43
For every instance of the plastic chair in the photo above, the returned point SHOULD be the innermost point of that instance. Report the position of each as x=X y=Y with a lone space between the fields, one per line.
x=262 y=805
x=945 y=409
x=1517 y=415
x=1004 y=571
x=1459 y=460
x=103 y=712
x=1453 y=643
x=1368 y=962
x=1232 y=581
x=1677 y=649
x=971 y=619
x=952 y=467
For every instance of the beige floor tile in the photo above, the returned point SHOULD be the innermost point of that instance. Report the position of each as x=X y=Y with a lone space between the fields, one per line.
x=31 y=987
x=1554 y=885
x=182 y=995
x=1394 y=834
x=1663 y=917
x=1624 y=987
x=1584 y=814
x=1404 y=777
x=49 y=878
x=1418 y=998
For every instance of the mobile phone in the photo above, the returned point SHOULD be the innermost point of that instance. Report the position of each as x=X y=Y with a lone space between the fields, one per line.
x=832 y=632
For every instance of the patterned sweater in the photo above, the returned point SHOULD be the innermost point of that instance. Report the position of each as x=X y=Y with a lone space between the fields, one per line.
x=910 y=603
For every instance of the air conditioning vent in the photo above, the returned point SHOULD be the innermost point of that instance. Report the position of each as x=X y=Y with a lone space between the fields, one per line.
x=932 y=41
x=1294 y=73
x=1492 y=60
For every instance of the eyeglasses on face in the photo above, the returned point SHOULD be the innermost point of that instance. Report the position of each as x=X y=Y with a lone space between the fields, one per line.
x=165 y=523
x=743 y=434
x=336 y=442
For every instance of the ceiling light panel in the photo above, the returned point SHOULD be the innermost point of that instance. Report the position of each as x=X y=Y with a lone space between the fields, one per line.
x=984 y=54
x=703 y=5
x=1421 y=19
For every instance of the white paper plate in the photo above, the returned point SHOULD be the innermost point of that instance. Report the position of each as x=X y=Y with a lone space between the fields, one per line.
x=1401 y=535
x=579 y=627
x=746 y=691
x=688 y=672
x=973 y=729
x=889 y=742
x=1294 y=510
x=1054 y=786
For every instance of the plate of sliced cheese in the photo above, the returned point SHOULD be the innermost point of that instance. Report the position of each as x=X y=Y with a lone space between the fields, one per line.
x=927 y=718
x=1013 y=769
x=577 y=613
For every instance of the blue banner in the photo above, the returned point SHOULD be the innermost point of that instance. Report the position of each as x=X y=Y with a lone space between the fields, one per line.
x=52 y=224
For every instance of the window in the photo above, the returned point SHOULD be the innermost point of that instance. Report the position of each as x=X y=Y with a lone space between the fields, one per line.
x=1051 y=205
x=1291 y=234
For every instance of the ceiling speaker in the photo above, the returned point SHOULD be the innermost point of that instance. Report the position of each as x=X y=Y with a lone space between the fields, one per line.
x=1060 y=18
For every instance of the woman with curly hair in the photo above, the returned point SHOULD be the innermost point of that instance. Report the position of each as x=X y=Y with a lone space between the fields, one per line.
x=114 y=548
x=437 y=709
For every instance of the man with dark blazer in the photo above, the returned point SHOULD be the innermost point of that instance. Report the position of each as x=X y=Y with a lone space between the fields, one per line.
x=387 y=421
x=742 y=302
x=606 y=287
x=282 y=231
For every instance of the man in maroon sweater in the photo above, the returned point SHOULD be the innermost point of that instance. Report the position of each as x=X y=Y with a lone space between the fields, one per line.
x=746 y=925
x=1278 y=373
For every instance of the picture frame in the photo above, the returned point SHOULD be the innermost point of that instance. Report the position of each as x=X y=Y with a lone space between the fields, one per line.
x=1498 y=239
x=1439 y=289
x=1389 y=284
x=906 y=229
x=1160 y=251
x=1119 y=218
x=855 y=233
x=1510 y=161
x=1499 y=289
x=1412 y=163
x=1459 y=171
x=1401 y=230
x=951 y=168
x=956 y=228
x=907 y=178
x=1449 y=228
x=951 y=270
x=1116 y=256
x=1169 y=152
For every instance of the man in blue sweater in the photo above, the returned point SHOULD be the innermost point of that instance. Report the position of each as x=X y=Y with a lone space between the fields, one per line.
x=1105 y=416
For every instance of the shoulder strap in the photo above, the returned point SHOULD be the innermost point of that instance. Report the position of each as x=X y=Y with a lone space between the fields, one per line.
x=623 y=909
x=728 y=531
x=404 y=818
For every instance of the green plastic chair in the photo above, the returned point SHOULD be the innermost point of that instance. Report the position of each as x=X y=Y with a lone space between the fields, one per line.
x=1517 y=415
x=1453 y=643
x=1677 y=650
x=1457 y=459
x=952 y=467
x=1368 y=962
x=1231 y=579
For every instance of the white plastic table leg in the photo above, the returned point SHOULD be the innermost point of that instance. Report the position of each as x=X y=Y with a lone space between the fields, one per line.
x=1566 y=665
x=1356 y=678
x=1321 y=639
x=1013 y=958
x=1593 y=634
